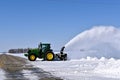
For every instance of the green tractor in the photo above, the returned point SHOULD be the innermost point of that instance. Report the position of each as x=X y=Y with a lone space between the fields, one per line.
x=45 y=52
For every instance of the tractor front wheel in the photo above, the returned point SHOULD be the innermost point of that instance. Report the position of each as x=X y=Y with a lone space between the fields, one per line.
x=32 y=57
x=49 y=56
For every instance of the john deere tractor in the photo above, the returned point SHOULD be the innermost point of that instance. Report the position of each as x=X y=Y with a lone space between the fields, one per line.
x=45 y=52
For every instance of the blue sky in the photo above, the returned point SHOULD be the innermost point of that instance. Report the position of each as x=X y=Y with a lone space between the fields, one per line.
x=25 y=23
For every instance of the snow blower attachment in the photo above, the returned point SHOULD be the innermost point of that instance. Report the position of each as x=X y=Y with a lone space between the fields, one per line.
x=44 y=51
x=61 y=55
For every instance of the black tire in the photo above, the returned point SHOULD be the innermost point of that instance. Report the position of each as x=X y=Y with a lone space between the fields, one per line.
x=49 y=56
x=32 y=57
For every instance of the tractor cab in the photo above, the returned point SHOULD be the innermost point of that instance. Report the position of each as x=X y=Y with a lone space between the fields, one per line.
x=44 y=47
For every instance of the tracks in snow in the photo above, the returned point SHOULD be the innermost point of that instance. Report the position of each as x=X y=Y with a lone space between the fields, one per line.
x=17 y=68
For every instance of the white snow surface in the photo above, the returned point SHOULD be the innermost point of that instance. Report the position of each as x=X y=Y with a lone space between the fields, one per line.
x=2 y=75
x=83 y=69
x=100 y=41
x=90 y=68
x=17 y=54
x=29 y=75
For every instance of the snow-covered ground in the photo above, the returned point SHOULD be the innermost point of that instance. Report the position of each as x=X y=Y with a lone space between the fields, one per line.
x=2 y=74
x=29 y=75
x=17 y=54
x=81 y=69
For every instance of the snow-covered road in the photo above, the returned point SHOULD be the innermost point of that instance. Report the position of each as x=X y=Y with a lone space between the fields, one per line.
x=17 y=68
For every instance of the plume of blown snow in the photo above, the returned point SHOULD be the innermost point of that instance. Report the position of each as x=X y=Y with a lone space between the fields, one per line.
x=100 y=41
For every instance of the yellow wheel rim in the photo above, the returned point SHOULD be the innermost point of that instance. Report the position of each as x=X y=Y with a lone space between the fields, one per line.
x=49 y=56
x=32 y=57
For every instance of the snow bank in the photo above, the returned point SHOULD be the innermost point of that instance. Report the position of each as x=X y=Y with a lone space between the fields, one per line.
x=100 y=41
x=89 y=68
x=110 y=68
x=83 y=69
x=17 y=54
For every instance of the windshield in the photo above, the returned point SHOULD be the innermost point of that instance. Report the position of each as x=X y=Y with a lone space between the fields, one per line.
x=44 y=48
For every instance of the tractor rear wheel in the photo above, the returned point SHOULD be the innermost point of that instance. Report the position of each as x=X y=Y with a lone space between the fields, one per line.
x=49 y=56
x=32 y=57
